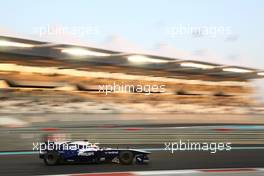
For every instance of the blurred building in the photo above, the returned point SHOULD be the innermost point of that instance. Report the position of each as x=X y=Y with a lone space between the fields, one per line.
x=46 y=77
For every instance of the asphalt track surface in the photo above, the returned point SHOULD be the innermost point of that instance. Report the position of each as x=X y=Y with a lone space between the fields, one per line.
x=30 y=164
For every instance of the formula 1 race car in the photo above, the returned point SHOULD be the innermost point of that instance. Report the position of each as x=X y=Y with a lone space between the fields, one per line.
x=54 y=153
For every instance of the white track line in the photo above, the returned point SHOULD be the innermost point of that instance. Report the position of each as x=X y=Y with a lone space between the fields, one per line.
x=172 y=172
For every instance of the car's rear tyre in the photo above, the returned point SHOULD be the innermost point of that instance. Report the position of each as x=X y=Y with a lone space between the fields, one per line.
x=51 y=158
x=97 y=160
x=126 y=157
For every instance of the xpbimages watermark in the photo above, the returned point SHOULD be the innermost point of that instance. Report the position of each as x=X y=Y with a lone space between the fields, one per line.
x=212 y=147
x=198 y=31
x=50 y=145
x=127 y=88
x=62 y=30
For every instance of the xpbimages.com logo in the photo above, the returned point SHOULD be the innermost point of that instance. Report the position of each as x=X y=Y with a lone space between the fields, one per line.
x=130 y=88
x=212 y=147
x=50 y=145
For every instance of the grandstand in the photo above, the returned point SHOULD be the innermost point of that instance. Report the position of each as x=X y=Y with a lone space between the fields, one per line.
x=48 y=77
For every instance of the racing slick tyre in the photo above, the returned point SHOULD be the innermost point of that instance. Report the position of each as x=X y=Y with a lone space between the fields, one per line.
x=97 y=160
x=126 y=157
x=51 y=158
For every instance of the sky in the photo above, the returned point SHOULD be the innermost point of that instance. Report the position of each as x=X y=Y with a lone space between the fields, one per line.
x=220 y=31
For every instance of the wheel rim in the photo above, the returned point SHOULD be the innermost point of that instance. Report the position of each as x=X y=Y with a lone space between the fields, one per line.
x=126 y=156
x=50 y=158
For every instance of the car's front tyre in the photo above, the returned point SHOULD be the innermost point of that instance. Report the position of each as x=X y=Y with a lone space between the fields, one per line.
x=51 y=158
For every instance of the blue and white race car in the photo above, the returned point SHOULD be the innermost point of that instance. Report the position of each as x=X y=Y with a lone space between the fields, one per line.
x=54 y=153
